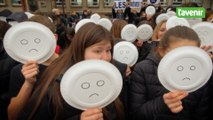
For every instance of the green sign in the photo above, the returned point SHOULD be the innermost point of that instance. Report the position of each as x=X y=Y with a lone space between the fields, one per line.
x=190 y=12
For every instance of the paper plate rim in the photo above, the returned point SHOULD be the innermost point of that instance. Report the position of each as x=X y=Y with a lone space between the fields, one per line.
x=33 y=26
x=170 y=57
x=123 y=35
x=98 y=66
x=130 y=45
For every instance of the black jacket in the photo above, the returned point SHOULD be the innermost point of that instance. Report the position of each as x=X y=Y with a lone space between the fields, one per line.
x=211 y=98
x=45 y=110
x=6 y=64
x=145 y=96
x=146 y=48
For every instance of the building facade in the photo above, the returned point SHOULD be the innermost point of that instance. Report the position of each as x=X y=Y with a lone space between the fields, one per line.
x=99 y=6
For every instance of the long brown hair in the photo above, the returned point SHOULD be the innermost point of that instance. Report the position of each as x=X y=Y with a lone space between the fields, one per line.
x=117 y=26
x=87 y=35
x=176 y=34
x=157 y=29
x=43 y=20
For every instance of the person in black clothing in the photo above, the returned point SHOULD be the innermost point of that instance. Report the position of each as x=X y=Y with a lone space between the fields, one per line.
x=6 y=64
x=133 y=15
x=67 y=36
x=46 y=101
x=117 y=26
x=73 y=18
x=118 y=14
x=60 y=22
x=149 y=100
x=86 y=14
x=22 y=82
x=150 y=45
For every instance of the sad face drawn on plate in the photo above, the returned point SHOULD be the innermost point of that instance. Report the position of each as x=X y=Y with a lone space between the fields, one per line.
x=125 y=52
x=26 y=42
x=29 y=41
x=92 y=88
x=150 y=10
x=86 y=85
x=184 y=72
x=203 y=34
x=91 y=83
x=162 y=17
x=144 y=32
x=129 y=33
x=204 y=31
x=185 y=68
x=181 y=68
x=31 y=45
x=175 y=21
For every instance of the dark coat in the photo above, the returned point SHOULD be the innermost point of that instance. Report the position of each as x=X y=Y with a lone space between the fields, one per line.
x=6 y=64
x=45 y=110
x=145 y=96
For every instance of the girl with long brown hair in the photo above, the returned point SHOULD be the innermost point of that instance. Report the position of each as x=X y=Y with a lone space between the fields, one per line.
x=150 y=100
x=90 y=42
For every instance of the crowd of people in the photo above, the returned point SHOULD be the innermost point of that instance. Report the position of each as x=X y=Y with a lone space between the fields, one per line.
x=32 y=90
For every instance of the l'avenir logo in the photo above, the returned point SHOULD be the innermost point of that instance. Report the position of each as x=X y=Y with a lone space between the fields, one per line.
x=190 y=12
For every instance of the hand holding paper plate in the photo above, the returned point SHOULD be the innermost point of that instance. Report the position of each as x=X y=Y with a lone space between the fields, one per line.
x=29 y=41
x=91 y=84
x=129 y=32
x=175 y=21
x=204 y=31
x=185 y=68
x=125 y=52
x=144 y=32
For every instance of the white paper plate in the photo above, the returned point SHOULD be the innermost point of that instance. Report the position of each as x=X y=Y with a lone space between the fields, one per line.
x=169 y=9
x=150 y=10
x=106 y=23
x=2 y=18
x=91 y=84
x=205 y=33
x=194 y=21
x=129 y=32
x=125 y=52
x=144 y=32
x=171 y=13
x=95 y=17
x=12 y=23
x=30 y=41
x=81 y=23
x=175 y=21
x=161 y=17
x=29 y=15
x=186 y=68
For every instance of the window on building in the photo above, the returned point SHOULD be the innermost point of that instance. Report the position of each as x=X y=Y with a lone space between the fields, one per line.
x=93 y=3
x=2 y=2
x=108 y=3
x=43 y=3
x=32 y=5
x=76 y=2
x=177 y=2
x=60 y=2
x=163 y=2
x=16 y=2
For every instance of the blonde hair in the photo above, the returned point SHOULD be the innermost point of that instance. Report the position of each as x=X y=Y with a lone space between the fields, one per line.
x=157 y=29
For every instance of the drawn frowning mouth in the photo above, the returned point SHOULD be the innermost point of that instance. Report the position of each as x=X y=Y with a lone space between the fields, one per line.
x=93 y=95
x=125 y=58
x=186 y=78
x=33 y=50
